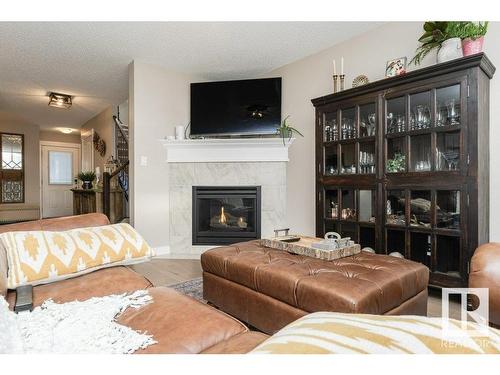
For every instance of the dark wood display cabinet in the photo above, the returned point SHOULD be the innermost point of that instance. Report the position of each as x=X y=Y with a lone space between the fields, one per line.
x=402 y=165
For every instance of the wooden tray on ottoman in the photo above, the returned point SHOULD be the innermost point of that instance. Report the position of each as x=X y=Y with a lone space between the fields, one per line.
x=304 y=247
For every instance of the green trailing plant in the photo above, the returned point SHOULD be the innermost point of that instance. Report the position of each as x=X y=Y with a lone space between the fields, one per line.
x=396 y=164
x=435 y=33
x=285 y=131
x=86 y=176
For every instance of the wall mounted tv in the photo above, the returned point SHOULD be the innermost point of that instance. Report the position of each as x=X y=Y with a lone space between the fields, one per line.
x=236 y=108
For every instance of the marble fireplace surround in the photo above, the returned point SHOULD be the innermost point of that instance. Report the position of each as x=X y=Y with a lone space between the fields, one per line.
x=223 y=163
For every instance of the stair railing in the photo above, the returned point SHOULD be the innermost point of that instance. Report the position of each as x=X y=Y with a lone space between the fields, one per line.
x=106 y=186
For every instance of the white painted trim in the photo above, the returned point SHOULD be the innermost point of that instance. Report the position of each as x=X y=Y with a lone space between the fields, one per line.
x=60 y=144
x=162 y=251
x=226 y=150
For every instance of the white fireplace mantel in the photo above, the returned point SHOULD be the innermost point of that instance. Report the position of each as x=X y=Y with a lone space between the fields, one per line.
x=226 y=150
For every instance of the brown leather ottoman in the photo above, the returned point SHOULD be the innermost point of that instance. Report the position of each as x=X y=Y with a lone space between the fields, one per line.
x=270 y=288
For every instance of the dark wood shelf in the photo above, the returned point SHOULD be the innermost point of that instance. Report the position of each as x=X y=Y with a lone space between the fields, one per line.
x=440 y=197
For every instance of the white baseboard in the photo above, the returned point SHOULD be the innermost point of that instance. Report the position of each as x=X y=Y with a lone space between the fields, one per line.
x=162 y=251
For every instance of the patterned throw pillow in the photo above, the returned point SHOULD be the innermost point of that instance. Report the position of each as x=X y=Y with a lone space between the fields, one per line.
x=338 y=333
x=39 y=257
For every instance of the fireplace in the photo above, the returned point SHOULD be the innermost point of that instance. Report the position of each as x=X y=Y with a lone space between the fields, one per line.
x=224 y=215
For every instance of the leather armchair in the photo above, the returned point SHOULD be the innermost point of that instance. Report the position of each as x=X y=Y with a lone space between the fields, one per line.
x=485 y=273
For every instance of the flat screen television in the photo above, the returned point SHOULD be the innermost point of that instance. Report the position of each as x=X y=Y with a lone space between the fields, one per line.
x=236 y=108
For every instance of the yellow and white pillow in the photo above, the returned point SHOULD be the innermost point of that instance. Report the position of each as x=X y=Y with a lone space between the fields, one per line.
x=39 y=257
x=338 y=333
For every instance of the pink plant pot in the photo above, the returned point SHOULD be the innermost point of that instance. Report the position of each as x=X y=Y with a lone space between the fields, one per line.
x=471 y=47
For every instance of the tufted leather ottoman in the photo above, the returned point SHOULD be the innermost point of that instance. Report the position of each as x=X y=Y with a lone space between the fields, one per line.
x=269 y=288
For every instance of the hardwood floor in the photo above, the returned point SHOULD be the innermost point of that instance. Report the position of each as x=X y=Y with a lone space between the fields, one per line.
x=164 y=272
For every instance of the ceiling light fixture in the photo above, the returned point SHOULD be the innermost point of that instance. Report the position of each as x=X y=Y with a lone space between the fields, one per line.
x=60 y=100
x=66 y=130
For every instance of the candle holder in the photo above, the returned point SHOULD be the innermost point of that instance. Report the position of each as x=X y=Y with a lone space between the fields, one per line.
x=335 y=80
x=342 y=82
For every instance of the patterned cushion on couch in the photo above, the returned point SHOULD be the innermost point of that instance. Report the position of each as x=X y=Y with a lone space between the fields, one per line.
x=38 y=257
x=337 y=333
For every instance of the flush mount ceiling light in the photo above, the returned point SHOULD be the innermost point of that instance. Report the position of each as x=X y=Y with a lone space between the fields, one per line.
x=66 y=130
x=60 y=100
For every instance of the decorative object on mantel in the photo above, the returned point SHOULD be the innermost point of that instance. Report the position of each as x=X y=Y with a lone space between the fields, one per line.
x=87 y=178
x=337 y=77
x=285 y=131
x=99 y=144
x=453 y=39
x=179 y=132
x=395 y=67
x=360 y=81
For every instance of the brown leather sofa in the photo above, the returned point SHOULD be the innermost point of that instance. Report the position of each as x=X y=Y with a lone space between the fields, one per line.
x=485 y=273
x=179 y=323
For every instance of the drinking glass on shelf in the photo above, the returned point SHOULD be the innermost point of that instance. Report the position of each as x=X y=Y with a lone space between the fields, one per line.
x=422 y=117
x=452 y=159
x=453 y=113
x=400 y=123
x=441 y=116
x=328 y=133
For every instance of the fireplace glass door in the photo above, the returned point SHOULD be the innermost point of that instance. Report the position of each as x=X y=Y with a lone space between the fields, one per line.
x=225 y=215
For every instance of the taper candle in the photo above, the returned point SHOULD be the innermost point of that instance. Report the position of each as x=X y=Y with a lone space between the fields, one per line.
x=334 y=68
x=342 y=66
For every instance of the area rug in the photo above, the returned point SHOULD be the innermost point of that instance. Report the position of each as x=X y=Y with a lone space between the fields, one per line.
x=192 y=288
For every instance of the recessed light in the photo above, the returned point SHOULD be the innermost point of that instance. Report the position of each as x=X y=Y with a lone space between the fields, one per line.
x=66 y=130
x=60 y=100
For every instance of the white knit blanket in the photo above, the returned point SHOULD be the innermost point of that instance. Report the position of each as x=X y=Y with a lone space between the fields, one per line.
x=74 y=327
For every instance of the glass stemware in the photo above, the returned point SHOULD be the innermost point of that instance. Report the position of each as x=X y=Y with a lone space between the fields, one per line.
x=453 y=114
x=441 y=116
x=422 y=117
x=452 y=159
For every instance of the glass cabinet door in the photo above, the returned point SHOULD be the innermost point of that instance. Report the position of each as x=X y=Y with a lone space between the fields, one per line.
x=396 y=155
x=330 y=127
x=396 y=115
x=448 y=209
x=448 y=151
x=396 y=207
x=348 y=158
x=420 y=111
x=448 y=111
x=367 y=120
x=348 y=124
x=331 y=161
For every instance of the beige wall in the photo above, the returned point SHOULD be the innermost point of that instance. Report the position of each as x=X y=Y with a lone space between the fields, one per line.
x=56 y=136
x=15 y=124
x=103 y=124
x=158 y=101
x=366 y=54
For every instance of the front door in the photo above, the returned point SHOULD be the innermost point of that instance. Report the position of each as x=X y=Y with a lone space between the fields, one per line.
x=60 y=165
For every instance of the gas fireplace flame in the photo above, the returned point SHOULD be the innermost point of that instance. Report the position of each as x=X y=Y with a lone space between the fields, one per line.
x=222 y=217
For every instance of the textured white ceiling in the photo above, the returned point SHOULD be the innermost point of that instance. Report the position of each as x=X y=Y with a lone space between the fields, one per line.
x=90 y=60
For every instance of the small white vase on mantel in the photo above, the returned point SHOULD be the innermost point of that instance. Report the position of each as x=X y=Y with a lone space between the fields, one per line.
x=450 y=49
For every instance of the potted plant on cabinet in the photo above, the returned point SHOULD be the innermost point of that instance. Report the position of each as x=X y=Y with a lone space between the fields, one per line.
x=443 y=35
x=472 y=34
x=87 y=178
